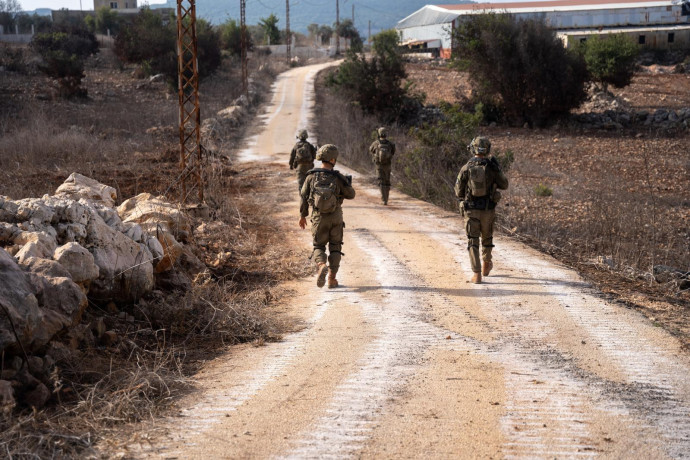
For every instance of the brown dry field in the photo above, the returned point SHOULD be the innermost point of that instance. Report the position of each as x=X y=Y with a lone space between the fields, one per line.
x=583 y=168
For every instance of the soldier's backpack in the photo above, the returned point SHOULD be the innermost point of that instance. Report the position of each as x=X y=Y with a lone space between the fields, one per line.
x=384 y=153
x=478 y=180
x=324 y=192
x=303 y=153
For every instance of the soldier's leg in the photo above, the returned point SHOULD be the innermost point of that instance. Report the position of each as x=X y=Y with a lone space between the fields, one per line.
x=487 y=219
x=473 y=230
x=319 y=232
x=380 y=175
x=335 y=246
x=386 y=183
x=302 y=174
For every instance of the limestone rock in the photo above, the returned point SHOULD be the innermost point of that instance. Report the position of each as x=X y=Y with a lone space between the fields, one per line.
x=156 y=213
x=77 y=186
x=43 y=243
x=171 y=252
x=78 y=261
x=19 y=302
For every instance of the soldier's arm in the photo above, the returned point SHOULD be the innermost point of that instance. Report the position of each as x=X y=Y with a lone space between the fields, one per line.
x=292 y=157
x=501 y=180
x=372 y=148
x=461 y=185
x=304 y=197
x=313 y=152
x=347 y=192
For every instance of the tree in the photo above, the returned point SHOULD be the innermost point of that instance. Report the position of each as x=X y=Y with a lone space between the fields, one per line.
x=151 y=41
x=347 y=30
x=375 y=84
x=231 y=37
x=611 y=60
x=521 y=67
x=271 y=31
x=313 y=30
x=105 y=20
x=63 y=51
x=39 y=23
x=325 y=32
x=9 y=9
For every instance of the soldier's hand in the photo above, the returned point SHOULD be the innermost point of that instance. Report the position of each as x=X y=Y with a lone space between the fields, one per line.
x=303 y=223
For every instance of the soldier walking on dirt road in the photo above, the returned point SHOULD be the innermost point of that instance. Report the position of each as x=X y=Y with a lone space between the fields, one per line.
x=324 y=190
x=382 y=151
x=302 y=157
x=477 y=188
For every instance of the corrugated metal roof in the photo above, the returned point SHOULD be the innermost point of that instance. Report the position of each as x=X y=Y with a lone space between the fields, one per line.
x=428 y=15
x=553 y=5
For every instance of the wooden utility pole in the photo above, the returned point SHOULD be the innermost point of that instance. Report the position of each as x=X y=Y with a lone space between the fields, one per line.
x=337 y=26
x=369 y=39
x=243 y=44
x=288 y=38
x=188 y=92
x=353 y=15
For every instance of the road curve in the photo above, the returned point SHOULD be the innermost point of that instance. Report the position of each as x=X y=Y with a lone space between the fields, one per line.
x=408 y=360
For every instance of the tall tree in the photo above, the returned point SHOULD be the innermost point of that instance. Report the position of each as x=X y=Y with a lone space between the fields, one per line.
x=270 y=26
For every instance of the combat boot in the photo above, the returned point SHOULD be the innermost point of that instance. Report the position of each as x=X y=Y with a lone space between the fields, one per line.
x=322 y=272
x=332 y=282
x=476 y=278
x=486 y=267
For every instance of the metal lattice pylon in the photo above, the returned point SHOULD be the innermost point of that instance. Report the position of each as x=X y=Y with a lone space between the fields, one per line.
x=243 y=39
x=188 y=90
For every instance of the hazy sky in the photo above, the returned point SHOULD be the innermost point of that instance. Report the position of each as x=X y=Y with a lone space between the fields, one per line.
x=30 y=5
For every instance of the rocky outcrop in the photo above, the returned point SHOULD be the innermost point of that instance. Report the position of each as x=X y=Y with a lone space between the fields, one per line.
x=77 y=187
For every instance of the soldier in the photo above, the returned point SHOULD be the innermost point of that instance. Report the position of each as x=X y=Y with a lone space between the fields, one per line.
x=476 y=187
x=324 y=190
x=302 y=157
x=382 y=151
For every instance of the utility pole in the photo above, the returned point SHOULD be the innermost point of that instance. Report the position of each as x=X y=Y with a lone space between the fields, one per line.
x=369 y=39
x=353 y=15
x=243 y=44
x=188 y=92
x=288 y=38
x=337 y=26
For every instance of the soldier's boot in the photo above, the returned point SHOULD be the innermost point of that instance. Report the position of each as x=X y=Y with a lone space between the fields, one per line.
x=476 y=278
x=322 y=272
x=486 y=267
x=332 y=282
x=384 y=194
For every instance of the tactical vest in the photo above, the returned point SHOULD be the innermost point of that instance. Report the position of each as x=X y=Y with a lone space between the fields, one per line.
x=479 y=185
x=384 y=153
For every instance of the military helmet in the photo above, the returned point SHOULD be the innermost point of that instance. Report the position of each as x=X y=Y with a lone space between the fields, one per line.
x=303 y=134
x=327 y=153
x=480 y=145
x=383 y=132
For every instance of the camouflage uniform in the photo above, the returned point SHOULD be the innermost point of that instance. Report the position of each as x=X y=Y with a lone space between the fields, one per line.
x=480 y=212
x=326 y=228
x=303 y=167
x=383 y=170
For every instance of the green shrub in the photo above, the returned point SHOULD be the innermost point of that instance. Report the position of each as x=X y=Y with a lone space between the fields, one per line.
x=231 y=37
x=375 y=84
x=151 y=40
x=522 y=66
x=63 y=51
x=611 y=60
x=542 y=190
x=103 y=21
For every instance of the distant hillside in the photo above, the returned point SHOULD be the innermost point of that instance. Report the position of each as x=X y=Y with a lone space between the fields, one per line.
x=384 y=14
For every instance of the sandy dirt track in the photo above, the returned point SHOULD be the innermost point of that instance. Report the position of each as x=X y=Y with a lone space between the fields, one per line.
x=408 y=360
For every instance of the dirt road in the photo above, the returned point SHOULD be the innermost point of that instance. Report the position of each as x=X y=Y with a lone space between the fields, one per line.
x=408 y=360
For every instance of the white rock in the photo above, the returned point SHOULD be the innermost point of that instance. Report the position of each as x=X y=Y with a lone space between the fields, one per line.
x=78 y=186
x=148 y=209
x=78 y=262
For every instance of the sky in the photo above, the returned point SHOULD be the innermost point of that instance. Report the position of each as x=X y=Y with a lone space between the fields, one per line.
x=30 y=5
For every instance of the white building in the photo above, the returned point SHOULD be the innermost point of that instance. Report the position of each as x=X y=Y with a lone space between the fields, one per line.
x=653 y=24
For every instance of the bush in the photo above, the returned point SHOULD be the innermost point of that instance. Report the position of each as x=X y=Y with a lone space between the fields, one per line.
x=231 y=37
x=151 y=42
x=610 y=60
x=521 y=66
x=542 y=190
x=105 y=20
x=63 y=51
x=375 y=85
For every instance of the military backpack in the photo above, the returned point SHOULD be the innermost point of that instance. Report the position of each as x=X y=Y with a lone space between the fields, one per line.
x=478 y=179
x=384 y=153
x=303 y=153
x=324 y=192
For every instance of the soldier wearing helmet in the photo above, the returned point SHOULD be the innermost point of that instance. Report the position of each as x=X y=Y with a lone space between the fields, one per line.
x=324 y=191
x=477 y=188
x=302 y=157
x=382 y=151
